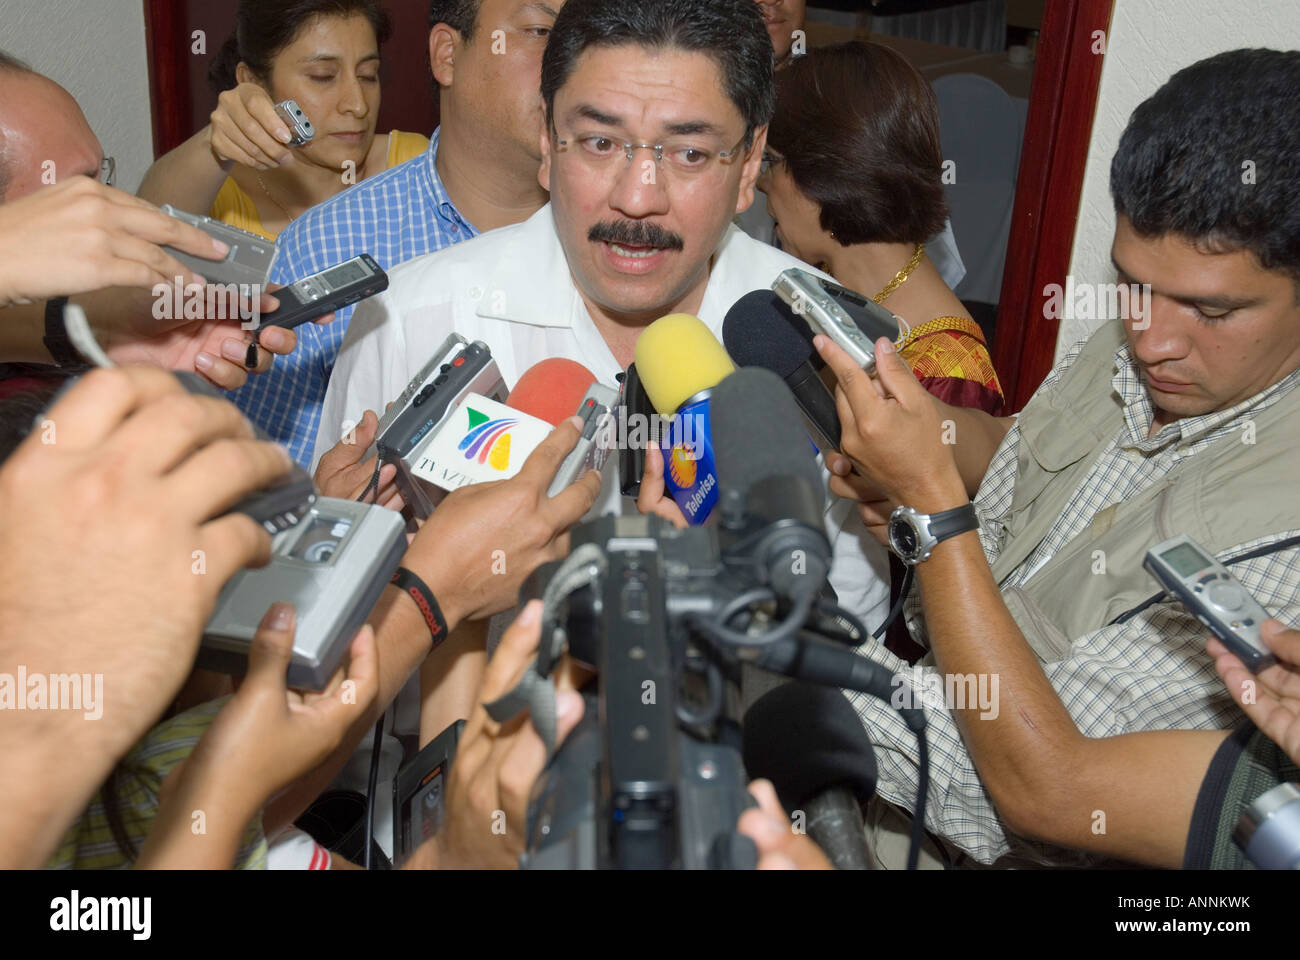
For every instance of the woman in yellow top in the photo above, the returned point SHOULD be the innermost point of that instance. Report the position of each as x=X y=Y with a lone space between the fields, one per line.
x=325 y=56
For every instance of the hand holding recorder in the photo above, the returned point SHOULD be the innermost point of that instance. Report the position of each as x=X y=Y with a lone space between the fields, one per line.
x=80 y=235
x=115 y=539
x=265 y=737
x=497 y=763
x=1270 y=698
x=247 y=128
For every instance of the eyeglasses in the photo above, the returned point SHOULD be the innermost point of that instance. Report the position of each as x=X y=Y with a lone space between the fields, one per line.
x=107 y=171
x=687 y=156
x=770 y=160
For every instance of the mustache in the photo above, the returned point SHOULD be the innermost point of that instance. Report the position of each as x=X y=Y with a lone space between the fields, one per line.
x=635 y=234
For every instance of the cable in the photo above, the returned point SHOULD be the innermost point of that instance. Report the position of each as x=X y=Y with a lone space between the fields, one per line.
x=785 y=630
x=898 y=604
x=922 y=794
x=856 y=632
x=373 y=485
x=1263 y=551
x=372 y=783
x=712 y=708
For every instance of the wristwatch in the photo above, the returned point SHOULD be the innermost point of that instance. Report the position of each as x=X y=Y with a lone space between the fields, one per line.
x=913 y=535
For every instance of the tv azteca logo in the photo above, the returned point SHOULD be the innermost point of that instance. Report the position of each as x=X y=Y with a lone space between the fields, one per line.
x=488 y=441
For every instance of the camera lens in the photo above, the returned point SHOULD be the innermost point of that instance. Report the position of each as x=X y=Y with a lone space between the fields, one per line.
x=320 y=551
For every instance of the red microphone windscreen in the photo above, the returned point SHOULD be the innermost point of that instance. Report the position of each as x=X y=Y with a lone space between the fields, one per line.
x=551 y=390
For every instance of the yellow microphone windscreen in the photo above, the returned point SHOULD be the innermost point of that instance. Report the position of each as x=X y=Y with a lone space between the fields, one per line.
x=676 y=358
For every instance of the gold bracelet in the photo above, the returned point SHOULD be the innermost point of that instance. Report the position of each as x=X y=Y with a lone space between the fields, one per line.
x=902 y=275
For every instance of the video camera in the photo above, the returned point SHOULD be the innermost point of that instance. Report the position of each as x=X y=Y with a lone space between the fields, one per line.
x=652 y=778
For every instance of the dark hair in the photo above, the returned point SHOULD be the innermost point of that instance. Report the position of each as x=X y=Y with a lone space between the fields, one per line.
x=729 y=31
x=265 y=27
x=1181 y=164
x=460 y=15
x=858 y=127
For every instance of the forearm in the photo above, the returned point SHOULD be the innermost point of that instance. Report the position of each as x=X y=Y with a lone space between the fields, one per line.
x=44 y=794
x=201 y=826
x=450 y=677
x=977 y=437
x=188 y=177
x=1129 y=796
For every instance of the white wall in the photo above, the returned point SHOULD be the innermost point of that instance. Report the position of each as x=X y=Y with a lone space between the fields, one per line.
x=1149 y=41
x=96 y=50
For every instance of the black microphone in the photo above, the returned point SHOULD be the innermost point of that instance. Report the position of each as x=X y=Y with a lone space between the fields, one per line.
x=772 y=489
x=761 y=331
x=809 y=742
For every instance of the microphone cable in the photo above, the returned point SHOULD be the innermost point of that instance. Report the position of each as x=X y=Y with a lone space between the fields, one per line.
x=898 y=604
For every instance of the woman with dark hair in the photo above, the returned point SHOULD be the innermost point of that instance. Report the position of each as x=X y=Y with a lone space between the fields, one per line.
x=323 y=54
x=852 y=175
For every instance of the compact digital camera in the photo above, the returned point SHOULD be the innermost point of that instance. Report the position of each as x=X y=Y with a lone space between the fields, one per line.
x=332 y=567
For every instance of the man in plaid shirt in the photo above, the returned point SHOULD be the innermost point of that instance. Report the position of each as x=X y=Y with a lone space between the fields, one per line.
x=1177 y=419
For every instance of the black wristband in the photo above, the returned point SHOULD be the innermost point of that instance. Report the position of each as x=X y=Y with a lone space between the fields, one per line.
x=56 y=341
x=419 y=591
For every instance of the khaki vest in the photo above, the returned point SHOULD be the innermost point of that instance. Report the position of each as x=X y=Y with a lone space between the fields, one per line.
x=1228 y=494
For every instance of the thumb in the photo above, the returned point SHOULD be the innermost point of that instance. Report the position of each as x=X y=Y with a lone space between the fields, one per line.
x=569 y=708
x=272 y=648
x=893 y=372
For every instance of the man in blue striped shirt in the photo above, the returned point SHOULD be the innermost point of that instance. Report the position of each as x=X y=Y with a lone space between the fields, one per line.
x=480 y=172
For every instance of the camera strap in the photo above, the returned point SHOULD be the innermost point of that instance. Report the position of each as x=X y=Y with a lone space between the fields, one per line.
x=1263 y=551
x=535 y=692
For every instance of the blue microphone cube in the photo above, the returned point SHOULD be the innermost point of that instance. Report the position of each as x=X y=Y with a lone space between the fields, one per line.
x=690 y=474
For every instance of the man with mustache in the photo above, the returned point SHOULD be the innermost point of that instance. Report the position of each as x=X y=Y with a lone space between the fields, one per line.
x=656 y=119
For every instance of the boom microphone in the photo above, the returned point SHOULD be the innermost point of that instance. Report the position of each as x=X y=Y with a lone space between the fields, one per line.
x=809 y=741
x=679 y=362
x=764 y=462
x=761 y=331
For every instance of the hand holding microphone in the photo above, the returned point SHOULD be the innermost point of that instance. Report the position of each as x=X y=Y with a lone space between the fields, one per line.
x=680 y=362
x=484 y=539
x=341 y=472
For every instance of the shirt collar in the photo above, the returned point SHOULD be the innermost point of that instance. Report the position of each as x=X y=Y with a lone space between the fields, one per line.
x=530 y=280
x=441 y=200
x=1139 y=410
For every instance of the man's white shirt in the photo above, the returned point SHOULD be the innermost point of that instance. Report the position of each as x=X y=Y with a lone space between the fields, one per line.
x=512 y=289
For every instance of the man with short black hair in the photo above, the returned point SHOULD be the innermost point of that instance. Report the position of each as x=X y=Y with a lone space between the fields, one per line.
x=1179 y=419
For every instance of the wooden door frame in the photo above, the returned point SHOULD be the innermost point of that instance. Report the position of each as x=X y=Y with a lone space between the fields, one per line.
x=1058 y=132
x=169 y=76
